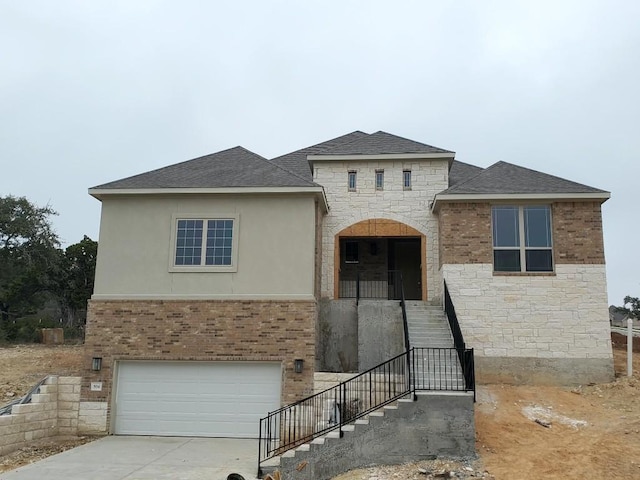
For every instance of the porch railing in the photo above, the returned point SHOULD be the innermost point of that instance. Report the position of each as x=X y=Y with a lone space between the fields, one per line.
x=332 y=409
x=458 y=339
x=370 y=285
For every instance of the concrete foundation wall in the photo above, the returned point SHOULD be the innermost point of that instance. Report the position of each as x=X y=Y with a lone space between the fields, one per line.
x=337 y=336
x=52 y=412
x=380 y=332
x=435 y=425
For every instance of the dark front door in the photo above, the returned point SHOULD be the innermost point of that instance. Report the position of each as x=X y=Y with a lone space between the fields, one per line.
x=406 y=258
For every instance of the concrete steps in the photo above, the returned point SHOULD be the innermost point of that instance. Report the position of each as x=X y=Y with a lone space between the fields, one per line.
x=406 y=430
x=428 y=328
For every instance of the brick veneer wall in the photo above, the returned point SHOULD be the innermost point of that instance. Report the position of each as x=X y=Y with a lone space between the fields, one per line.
x=577 y=233
x=465 y=233
x=466 y=238
x=201 y=330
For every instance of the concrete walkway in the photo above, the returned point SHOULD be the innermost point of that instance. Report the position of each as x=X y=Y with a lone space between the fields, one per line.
x=147 y=458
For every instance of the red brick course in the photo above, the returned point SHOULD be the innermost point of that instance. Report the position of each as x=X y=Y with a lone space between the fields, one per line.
x=201 y=330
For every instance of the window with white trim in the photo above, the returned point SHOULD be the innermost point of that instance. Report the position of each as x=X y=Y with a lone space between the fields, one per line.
x=522 y=238
x=205 y=242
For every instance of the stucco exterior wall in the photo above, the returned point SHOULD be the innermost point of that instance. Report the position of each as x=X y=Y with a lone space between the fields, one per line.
x=410 y=207
x=275 y=256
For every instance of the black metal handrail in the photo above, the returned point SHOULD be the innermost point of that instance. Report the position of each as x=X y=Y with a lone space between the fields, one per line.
x=403 y=306
x=371 y=285
x=458 y=339
x=403 y=375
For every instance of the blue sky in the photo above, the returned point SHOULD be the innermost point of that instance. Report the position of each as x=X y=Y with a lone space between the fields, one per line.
x=95 y=91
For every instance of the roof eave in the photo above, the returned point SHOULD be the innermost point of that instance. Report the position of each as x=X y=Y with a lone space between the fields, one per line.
x=100 y=193
x=517 y=197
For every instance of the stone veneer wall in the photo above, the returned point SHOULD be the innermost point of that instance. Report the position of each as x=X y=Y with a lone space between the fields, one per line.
x=215 y=330
x=531 y=328
x=410 y=207
x=56 y=410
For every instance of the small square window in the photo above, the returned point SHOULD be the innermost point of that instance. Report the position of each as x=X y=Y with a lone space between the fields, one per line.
x=352 y=181
x=351 y=252
x=406 y=179
x=379 y=179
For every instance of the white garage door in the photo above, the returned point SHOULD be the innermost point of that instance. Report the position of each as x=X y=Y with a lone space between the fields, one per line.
x=209 y=399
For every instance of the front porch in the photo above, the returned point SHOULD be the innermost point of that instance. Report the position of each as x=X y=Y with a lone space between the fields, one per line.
x=371 y=257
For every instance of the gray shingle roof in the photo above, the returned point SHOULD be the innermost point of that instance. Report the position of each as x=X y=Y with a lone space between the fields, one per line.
x=297 y=161
x=236 y=167
x=381 y=143
x=461 y=172
x=506 y=178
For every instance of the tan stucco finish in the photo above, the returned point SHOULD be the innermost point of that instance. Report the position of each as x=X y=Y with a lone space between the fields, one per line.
x=275 y=258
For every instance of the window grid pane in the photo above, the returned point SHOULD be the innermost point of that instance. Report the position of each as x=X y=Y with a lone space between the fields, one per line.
x=219 y=242
x=505 y=227
x=189 y=242
x=537 y=227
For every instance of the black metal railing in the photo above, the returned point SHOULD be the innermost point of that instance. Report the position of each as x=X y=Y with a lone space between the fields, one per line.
x=371 y=285
x=6 y=409
x=403 y=307
x=416 y=369
x=458 y=339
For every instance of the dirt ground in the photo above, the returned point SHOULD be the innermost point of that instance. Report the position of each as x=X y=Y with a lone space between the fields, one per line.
x=591 y=432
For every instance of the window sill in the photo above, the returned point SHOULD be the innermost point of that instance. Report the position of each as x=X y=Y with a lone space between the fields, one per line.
x=524 y=274
x=202 y=269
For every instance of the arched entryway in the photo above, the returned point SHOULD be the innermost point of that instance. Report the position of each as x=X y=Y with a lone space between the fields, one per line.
x=367 y=253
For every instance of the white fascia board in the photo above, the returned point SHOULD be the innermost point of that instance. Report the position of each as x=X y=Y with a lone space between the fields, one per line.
x=517 y=197
x=386 y=156
x=99 y=193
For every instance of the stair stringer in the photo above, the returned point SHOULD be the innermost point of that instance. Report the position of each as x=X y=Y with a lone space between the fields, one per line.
x=437 y=424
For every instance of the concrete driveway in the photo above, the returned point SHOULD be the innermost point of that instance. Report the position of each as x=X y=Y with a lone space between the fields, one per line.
x=147 y=458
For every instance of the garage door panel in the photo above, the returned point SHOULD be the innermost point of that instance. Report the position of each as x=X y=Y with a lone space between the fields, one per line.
x=224 y=399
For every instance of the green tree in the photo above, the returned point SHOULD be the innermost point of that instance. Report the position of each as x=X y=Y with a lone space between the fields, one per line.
x=28 y=256
x=631 y=306
x=75 y=280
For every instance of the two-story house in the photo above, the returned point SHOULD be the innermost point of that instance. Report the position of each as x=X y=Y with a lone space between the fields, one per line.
x=212 y=275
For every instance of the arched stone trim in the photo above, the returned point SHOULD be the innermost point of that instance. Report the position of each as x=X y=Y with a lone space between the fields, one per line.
x=378 y=227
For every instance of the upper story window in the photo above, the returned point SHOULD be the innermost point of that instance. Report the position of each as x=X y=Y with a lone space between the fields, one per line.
x=208 y=244
x=352 y=181
x=406 y=179
x=379 y=179
x=522 y=239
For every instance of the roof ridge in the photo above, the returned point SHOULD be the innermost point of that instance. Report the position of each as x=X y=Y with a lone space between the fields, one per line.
x=320 y=143
x=414 y=141
x=545 y=173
